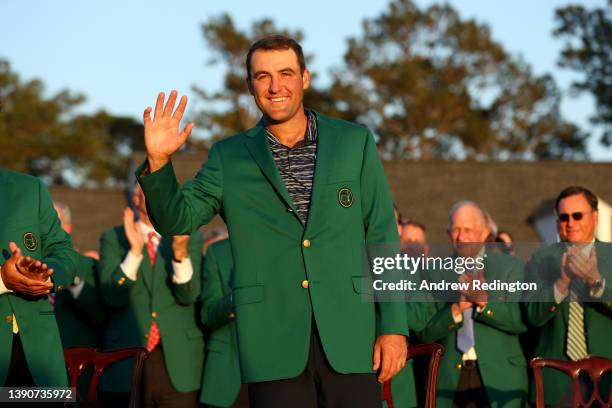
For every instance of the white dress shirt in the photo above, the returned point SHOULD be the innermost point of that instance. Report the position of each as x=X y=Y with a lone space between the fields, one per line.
x=183 y=271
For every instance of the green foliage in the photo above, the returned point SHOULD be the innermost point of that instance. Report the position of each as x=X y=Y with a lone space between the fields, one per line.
x=42 y=136
x=429 y=84
x=433 y=85
x=588 y=50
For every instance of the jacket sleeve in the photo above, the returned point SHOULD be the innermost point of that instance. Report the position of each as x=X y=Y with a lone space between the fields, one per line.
x=89 y=301
x=441 y=324
x=539 y=307
x=380 y=232
x=177 y=211
x=57 y=250
x=114 y=285
x=505 y=314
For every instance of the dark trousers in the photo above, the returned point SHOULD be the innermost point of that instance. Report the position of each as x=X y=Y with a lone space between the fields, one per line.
x=470 y=392
x=18 y=373
x=318 y=386
x=157 y=389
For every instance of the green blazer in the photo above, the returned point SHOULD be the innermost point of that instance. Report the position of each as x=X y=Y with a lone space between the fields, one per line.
x=545 y=267
x=134 y=303
x=403 y=390
x=29 y=219
x=496 y=328
x=286 y=272
x=81 y=320
x=221 y=380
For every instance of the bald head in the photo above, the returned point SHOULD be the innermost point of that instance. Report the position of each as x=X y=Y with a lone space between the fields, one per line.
x=467 y=222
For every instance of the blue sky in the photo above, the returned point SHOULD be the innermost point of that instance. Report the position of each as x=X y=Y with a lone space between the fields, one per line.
x=121 y=53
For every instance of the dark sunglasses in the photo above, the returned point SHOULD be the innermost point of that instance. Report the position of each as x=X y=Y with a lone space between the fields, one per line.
x=577 y=216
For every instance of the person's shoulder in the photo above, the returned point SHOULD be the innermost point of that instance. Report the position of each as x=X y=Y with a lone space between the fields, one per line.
x=508 y=261
x=347 y=128
x=237 y=139
x=117 y=232
x=12 y=176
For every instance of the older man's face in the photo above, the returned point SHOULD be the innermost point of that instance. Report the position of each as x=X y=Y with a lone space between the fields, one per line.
x=571 y=229
x=468 y=230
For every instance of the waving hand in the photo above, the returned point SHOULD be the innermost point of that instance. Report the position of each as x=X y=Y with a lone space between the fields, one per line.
x=162 y=135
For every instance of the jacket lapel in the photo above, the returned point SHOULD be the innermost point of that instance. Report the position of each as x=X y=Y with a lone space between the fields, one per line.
x=257 y=144
x=326 y=151
x=146 y=270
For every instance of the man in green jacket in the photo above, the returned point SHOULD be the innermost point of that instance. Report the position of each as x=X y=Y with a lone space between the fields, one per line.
x=302 y=195
x=574 y=305
x=150 y=284
x=483 y=363
x=221 y=382
x=79 y=310
x=30 y=348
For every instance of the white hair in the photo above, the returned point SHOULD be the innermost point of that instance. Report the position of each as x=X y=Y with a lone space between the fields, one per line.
x=466 y=203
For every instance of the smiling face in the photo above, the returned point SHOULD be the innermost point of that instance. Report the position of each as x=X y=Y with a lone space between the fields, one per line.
x=277 y=84
x=577 y=231
x=468 y=230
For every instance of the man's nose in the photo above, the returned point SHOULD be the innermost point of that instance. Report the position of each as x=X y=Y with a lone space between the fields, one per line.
x=275 y=84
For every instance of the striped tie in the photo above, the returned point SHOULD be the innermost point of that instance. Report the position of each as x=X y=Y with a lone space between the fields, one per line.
x=576 y=339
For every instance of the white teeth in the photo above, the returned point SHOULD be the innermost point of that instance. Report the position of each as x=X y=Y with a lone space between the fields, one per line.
x=279 y=99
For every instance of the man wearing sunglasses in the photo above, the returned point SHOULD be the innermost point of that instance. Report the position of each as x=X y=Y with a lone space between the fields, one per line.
x=574 y=308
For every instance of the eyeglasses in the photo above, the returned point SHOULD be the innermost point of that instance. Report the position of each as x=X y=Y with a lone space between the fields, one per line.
x=577 y=216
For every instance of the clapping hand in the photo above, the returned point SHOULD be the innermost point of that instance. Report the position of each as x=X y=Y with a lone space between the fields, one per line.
x=583 y=266
x=162 y=136
x=25 y=275
x=132 y=232
x=477 y=296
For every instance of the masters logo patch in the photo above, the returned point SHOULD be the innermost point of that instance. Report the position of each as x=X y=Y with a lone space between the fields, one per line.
x=30 y=241
x=345 y=197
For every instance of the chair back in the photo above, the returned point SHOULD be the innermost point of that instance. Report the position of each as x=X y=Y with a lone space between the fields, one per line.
x=435 y=352
x=78 y=359
x=595 y=367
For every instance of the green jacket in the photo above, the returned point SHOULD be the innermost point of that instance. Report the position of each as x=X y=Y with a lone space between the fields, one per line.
x=29 y=219
x=287 y=272
x=81 y=320
x=496 y=328
x=544 y=267
x=221 y=380
x=403 y=390
x=134 y=303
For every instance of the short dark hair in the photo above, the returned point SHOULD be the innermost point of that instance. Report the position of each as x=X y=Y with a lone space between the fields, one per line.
x=576 y=190
x=413 y=223
x=276 y=42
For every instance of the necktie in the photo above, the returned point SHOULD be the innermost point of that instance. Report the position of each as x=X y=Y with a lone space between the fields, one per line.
x=576 y=346
x=465 y=335
x=151 y=247
x=154 y=335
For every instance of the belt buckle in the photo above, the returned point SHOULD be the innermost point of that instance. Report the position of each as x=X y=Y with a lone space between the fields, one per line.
x=469 y=363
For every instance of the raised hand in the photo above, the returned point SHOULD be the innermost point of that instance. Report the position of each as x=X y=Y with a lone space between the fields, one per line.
x=162 y=135
x=132 y=232
x=16 y=277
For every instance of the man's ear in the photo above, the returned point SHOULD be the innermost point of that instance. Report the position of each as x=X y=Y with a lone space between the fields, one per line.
x=305 y=79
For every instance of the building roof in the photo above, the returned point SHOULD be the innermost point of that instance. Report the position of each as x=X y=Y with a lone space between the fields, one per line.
x=424 y=191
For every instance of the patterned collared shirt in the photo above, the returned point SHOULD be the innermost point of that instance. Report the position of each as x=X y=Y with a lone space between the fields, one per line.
x=296 y=165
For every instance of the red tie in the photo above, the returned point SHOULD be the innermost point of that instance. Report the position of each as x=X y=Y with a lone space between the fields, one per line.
x=151 y=247
x=154 y=335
